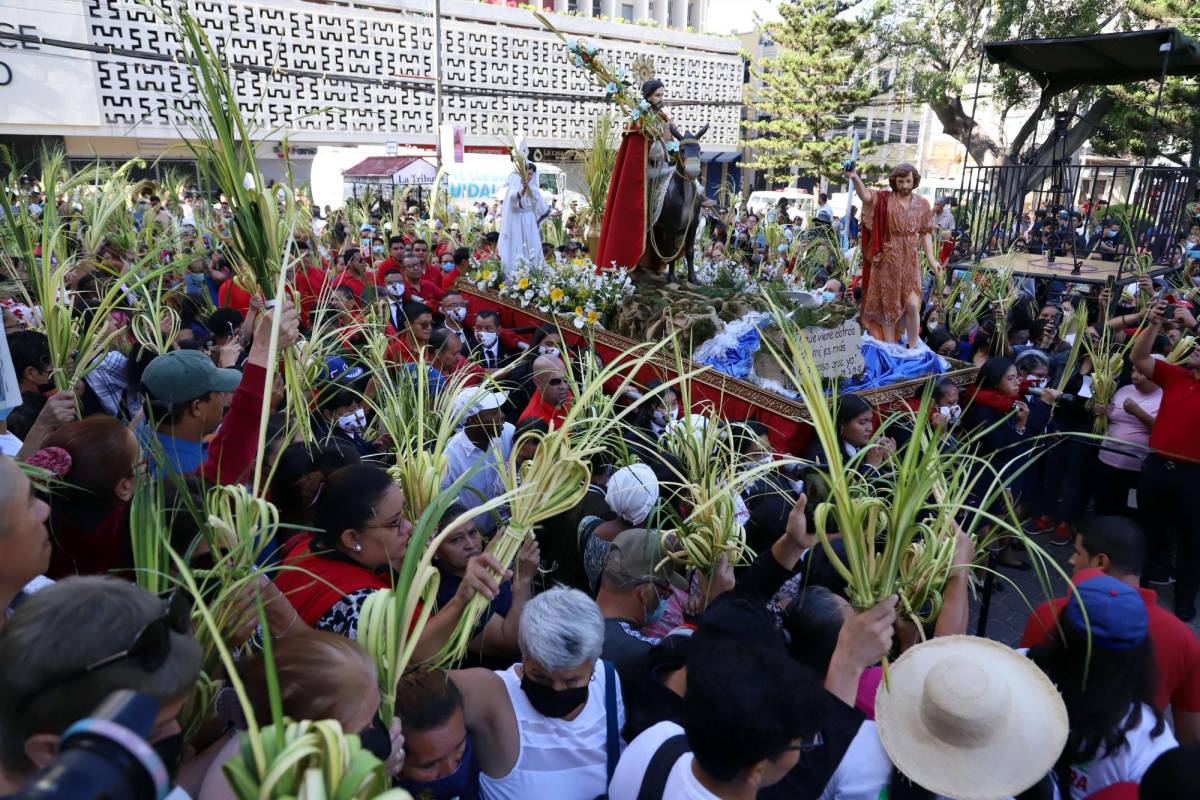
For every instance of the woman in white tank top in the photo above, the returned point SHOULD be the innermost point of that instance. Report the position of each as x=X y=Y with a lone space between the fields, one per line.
x=541 y=727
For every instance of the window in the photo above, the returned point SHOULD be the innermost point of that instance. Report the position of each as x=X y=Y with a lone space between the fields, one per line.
x=896 y=132
x=878 y=130
x=627 y=12
x=913 y=132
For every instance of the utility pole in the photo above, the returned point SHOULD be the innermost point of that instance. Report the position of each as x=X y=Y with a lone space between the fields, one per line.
x=437 y=80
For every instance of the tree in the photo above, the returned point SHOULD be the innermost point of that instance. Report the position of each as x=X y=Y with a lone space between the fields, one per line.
x=1176 y=137
x=819 y=75
x=939 y=45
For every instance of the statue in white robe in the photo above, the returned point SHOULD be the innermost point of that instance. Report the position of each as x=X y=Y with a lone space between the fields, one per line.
x=522 y=209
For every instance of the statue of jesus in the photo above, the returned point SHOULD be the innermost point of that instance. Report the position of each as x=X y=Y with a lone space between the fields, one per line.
x=894 y=224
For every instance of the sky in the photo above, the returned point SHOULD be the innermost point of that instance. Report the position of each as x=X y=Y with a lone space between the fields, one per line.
x=737 y=16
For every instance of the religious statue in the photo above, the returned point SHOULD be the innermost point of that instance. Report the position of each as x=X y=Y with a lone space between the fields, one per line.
x=894 y=224
x=522 y=209
x=653 y=204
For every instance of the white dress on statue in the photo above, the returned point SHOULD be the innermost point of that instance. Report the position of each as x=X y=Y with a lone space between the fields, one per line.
x=520 y=239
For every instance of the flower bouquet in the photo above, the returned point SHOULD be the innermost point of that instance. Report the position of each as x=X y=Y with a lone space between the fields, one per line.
x=568 y=288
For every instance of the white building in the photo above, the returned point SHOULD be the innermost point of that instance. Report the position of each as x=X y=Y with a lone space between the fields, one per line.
x=99 y=76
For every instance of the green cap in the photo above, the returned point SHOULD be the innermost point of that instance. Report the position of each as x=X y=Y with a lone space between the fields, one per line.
x=637 y=556
x=183 y=375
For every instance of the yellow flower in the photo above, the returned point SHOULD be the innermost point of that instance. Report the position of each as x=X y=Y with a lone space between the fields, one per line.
x=577 y=262
x=579 y=311
x=556 y=294
x=593 y=317
x=487 y=274
x=523 y=283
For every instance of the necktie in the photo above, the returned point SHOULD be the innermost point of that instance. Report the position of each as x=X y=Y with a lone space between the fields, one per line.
x=490 y=359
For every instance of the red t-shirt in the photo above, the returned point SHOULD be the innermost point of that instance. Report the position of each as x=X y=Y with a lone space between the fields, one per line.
x=383 y=267
x=230 y=295
x=449 y=279
x=1175 y=433
x=346 y=279
x=1176 y=648
x=553 y=415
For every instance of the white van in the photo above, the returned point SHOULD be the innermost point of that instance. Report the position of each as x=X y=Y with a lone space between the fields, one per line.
x=801 y=205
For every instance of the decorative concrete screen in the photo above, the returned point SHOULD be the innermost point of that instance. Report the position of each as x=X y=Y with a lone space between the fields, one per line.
x=332 y=73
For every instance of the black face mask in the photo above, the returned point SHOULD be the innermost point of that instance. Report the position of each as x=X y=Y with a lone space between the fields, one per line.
x=170 y=750
x=376 y=739
x=551 y=702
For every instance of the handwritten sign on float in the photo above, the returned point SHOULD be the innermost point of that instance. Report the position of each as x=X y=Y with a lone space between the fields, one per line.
x=837 y=351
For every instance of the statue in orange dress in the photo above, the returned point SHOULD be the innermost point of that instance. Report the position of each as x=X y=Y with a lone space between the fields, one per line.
x=894 y=225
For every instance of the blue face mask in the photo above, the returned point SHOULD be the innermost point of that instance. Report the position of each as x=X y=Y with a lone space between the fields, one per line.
x=656 y=615
x=828 y=297
x=463 y=782
x=447 y=266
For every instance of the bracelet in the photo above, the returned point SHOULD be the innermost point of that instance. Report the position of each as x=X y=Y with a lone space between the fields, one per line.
x=290 y=625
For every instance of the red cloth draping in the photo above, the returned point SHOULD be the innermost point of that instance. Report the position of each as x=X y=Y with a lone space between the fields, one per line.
x=623 y=231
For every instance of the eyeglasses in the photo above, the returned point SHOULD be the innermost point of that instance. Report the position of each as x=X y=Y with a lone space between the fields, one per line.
x=149 y=648
x=807 y=745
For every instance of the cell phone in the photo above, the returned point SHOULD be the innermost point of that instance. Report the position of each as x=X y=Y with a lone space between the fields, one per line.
x=1169 y=312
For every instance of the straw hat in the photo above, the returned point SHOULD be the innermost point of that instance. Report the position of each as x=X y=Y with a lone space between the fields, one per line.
x=971 y=719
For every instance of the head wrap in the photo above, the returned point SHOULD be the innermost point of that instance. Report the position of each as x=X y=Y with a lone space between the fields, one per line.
x=632 y=493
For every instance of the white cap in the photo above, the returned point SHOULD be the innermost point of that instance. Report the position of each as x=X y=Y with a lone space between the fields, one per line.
x=470 y=402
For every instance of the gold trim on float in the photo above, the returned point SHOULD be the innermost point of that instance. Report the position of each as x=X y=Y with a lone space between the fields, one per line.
x=963 y=374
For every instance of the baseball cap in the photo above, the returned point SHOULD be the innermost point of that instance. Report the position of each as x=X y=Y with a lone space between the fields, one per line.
x=825 y=213
x=183 y=375
x=636 y=557
x=338 y=371
x=1116 y=613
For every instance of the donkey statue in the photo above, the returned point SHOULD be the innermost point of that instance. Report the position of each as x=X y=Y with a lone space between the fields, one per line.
x=673 y=231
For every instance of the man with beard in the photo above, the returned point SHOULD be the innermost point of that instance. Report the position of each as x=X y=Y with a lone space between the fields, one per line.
x=894 y=224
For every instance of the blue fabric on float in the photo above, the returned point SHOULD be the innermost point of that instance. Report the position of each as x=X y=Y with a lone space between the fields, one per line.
x=732 y=352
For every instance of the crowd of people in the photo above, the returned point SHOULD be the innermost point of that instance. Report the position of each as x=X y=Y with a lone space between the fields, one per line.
x=600 y=667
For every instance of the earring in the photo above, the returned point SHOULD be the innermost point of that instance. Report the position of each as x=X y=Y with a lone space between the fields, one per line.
x=358 y=548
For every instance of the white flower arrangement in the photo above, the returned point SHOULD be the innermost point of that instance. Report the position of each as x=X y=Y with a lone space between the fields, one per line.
x=572 y=288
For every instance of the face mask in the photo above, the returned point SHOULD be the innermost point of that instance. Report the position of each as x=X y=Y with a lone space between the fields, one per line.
x=376 y=739
x=377 y=249
x=674 y=413
x=656 y=615
x=548 y=351
x=46 y=388
x=457 y=314
x=951 y=412
x=395 y=289
x=353 y=423
x=1110 y=234
x=170 y=750
x=550 y=702
x=486 y=338
x=447 y=266
x=933 y=326
x=828 y=297
x=459 y=783
x=660 y=419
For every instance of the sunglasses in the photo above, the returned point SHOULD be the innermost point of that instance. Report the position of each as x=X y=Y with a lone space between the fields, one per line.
x=149 y=648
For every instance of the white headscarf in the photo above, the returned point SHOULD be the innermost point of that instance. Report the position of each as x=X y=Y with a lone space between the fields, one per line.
x=632 y=493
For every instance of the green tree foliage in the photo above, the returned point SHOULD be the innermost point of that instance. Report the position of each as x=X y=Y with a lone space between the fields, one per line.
x=938 y=44
x=818 y=77
x=1128 y=126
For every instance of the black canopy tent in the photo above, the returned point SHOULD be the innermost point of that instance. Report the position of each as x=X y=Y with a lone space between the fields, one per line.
x=1062 y=64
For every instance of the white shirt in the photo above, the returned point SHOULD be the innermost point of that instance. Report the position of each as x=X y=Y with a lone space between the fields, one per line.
x=462 y=454
x=864 y=769
x=558 y=760
x=1128 y=763
x=631 y=769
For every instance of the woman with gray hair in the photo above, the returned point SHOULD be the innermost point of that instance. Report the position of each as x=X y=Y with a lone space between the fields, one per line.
x=547 y=727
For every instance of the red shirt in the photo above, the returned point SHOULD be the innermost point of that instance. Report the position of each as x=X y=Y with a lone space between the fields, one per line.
x=538 y=407
x=382 y=268
x=433 y=274
x=1175 y=434
x=1176 y=648
x=230 y=295
x=309 y=282
x=429 y=291
x=449 y=279
x=346 y=279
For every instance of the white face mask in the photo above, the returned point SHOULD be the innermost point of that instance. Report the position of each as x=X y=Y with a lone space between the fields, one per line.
x=548 y=351
x=932 y=326
x=951 y=412
x=457 y=314
x=395 y=289
x=486 y=338
x=353 y=423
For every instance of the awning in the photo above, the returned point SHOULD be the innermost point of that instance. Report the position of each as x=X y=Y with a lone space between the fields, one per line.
x=1059 y=65
x=378 y=167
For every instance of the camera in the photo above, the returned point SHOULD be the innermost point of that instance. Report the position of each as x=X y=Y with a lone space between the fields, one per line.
x=105 y=756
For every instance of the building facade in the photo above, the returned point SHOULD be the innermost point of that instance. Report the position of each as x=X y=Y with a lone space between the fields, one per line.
x=103 y=76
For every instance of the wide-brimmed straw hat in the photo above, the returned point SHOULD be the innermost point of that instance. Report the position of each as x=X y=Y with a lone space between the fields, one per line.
x=970 y=718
